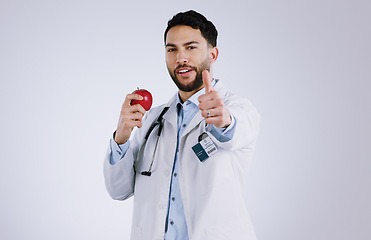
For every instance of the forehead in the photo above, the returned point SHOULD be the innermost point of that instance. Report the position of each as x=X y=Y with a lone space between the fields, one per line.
x=182 y=34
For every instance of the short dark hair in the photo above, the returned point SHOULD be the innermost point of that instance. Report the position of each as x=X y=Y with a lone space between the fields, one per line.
x=197 y=21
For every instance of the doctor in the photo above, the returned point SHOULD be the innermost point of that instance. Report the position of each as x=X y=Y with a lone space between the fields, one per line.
x=187 y=178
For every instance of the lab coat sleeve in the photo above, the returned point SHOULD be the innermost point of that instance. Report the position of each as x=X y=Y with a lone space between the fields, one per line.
x=120 y=177
x=118 y=151
x=247 y=121
x=222 y=134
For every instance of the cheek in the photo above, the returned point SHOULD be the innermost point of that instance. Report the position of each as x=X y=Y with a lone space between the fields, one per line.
x=202 y=58
x=169 y=61
x=169 y=67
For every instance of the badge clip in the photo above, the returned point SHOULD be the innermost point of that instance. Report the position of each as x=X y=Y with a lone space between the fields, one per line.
x=205 y=147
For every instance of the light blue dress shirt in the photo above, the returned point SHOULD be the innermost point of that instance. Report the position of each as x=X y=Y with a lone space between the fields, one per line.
x=176 y=227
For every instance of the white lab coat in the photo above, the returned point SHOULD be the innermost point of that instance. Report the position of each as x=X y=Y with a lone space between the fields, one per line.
x=212 y=191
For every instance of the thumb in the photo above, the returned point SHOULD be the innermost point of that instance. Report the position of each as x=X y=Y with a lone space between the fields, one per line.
x=207 y=81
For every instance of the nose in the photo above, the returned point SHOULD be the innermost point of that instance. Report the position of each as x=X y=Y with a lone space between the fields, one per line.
x=181 y=57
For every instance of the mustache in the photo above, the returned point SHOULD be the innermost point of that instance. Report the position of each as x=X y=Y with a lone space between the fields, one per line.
x=185 y=65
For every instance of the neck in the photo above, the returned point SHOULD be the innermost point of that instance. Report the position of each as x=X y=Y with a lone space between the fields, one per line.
x=184 y=96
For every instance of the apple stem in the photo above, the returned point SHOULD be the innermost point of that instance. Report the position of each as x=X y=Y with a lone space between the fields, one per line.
x=138 y=88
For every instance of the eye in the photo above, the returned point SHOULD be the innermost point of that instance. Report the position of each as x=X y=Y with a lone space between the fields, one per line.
x=191 y=47
x=169 y=50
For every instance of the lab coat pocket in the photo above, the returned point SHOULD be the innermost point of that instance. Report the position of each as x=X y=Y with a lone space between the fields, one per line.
x=215 y=172
x=237 y=229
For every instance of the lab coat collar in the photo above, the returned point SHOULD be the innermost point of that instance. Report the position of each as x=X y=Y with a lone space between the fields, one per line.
x=171 y=115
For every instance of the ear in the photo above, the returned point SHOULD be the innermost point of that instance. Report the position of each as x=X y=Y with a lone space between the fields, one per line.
x=213 y=54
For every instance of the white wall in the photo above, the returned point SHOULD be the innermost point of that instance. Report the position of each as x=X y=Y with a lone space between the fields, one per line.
x=65 y=67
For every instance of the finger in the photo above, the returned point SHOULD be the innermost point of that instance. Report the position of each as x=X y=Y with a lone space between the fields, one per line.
x=213 y=120
x=206 y=105
x=210 y=100
x=129 y=109
x=207 y=81
x=213 y=112
x=131 y=120
x=135 y=116
x=133 y=124
x=131 y=97
x=137 y=108
x=208 y=96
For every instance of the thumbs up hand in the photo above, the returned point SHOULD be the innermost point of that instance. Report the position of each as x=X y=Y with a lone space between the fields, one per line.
x=212 y=105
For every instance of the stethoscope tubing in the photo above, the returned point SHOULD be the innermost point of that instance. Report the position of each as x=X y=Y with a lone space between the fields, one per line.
x=159 y=122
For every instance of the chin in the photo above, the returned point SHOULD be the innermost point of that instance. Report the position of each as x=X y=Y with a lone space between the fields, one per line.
x=191 y=86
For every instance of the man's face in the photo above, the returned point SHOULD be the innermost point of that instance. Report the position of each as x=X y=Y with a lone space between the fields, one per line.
x=187 y=55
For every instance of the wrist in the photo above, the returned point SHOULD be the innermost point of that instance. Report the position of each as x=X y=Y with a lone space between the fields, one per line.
x=228 y=122
x=118 y=140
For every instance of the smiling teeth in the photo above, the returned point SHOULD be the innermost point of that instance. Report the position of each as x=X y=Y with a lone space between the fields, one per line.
x=184 y=71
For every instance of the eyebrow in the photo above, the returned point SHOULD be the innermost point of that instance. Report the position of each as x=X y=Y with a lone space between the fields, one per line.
x=185 y=44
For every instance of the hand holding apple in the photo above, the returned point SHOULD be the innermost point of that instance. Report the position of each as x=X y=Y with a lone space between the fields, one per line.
x=132 y=112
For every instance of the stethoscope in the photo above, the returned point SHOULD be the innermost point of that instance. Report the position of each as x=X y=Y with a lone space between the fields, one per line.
x=159 y=122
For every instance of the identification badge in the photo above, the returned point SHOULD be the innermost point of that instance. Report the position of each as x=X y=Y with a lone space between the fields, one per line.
x=204 y=148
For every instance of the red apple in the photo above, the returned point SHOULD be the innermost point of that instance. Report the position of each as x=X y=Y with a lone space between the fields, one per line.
x=147 y=99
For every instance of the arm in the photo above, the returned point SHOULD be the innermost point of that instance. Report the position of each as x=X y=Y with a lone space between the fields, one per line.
x=222 y=134
x=219 y=111
x=119 y=171
x=119 y=178
x=246 y=125
x=118 y=151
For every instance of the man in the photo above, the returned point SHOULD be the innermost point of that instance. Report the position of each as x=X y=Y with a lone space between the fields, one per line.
x=184 y=189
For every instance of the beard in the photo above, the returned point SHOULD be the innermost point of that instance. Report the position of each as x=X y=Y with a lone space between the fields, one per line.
x=197 y=83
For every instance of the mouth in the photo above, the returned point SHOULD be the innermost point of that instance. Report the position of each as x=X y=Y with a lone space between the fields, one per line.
x=184 y=71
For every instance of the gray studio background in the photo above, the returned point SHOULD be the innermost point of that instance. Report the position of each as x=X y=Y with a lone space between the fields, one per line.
x=66 y=66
